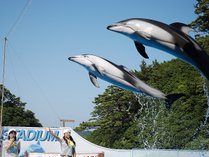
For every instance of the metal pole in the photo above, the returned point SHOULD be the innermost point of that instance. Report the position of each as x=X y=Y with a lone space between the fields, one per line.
x=2 y=95
x=63 y=121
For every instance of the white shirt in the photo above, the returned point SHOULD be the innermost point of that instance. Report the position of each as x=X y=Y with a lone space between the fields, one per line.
x=65 y=149
x=13 y=151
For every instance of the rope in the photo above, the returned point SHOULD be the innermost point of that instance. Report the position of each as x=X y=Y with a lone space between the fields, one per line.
x=18 y=20
x=28 y=72
x=19 y=17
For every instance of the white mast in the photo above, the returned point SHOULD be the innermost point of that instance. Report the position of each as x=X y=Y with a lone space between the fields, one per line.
x=2 y=95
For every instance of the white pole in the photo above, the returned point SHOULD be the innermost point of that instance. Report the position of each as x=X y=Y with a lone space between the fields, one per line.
x=2 y=96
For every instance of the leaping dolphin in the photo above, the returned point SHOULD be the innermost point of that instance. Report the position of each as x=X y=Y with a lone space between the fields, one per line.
x=118 y=75
x=172 y=38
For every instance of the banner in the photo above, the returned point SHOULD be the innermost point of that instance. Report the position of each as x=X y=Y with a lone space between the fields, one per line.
x=58 y=155
x=34 y=140
x=37 y=142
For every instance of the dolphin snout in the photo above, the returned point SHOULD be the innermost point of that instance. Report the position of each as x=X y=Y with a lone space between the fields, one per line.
x=109 y=27
x=71 y=58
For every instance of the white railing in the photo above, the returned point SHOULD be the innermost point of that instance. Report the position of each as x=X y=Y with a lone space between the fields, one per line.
x=134 y=153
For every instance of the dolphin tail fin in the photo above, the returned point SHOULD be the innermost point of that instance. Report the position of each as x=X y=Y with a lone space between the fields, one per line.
x=171 y=98
x=200 y=56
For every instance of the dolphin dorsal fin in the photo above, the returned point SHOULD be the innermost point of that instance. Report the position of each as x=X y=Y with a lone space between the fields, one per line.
x=141 y=49
x=123 y=67
x=182 y=27
x=93 y=79
x=127 y=70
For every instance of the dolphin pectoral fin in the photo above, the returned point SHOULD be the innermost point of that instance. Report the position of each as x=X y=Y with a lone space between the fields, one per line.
x=182 y=27
x=93 y=79
x=141 y=49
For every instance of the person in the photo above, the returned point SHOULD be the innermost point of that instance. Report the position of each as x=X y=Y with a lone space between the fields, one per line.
x=12 y=145
x=66 y=142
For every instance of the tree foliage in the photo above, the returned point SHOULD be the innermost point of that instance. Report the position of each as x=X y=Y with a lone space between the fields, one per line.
x=14 y=112
x=114 y=112
x=201 y=23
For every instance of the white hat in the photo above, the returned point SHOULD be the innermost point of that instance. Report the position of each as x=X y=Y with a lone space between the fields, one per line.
x=10 y=130
x=66 y=130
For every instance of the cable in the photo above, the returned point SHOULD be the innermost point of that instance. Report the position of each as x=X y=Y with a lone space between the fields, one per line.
x=19 y=18
x=28 y=71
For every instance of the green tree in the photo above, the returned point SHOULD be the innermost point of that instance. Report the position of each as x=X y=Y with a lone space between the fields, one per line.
x=14 y=112
x=115 y=111
x=201 y=23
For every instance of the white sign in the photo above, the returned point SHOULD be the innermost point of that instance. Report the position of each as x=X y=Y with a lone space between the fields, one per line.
x=35 y=139
x=37 y=142
x=58 y=155
x=43 y=155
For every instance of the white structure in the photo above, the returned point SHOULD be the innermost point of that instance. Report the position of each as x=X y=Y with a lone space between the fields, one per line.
x=39 y=140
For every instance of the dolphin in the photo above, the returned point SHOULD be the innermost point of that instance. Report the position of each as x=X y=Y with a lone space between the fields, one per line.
x=118 y=75
x=173 y=38
x=32 y=148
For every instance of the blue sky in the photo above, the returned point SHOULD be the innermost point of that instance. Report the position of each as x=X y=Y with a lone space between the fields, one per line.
x=37 y=68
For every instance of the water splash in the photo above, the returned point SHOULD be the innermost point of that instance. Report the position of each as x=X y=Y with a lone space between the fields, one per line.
x=202 y=124
x=205 y=88
x=151 y=109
